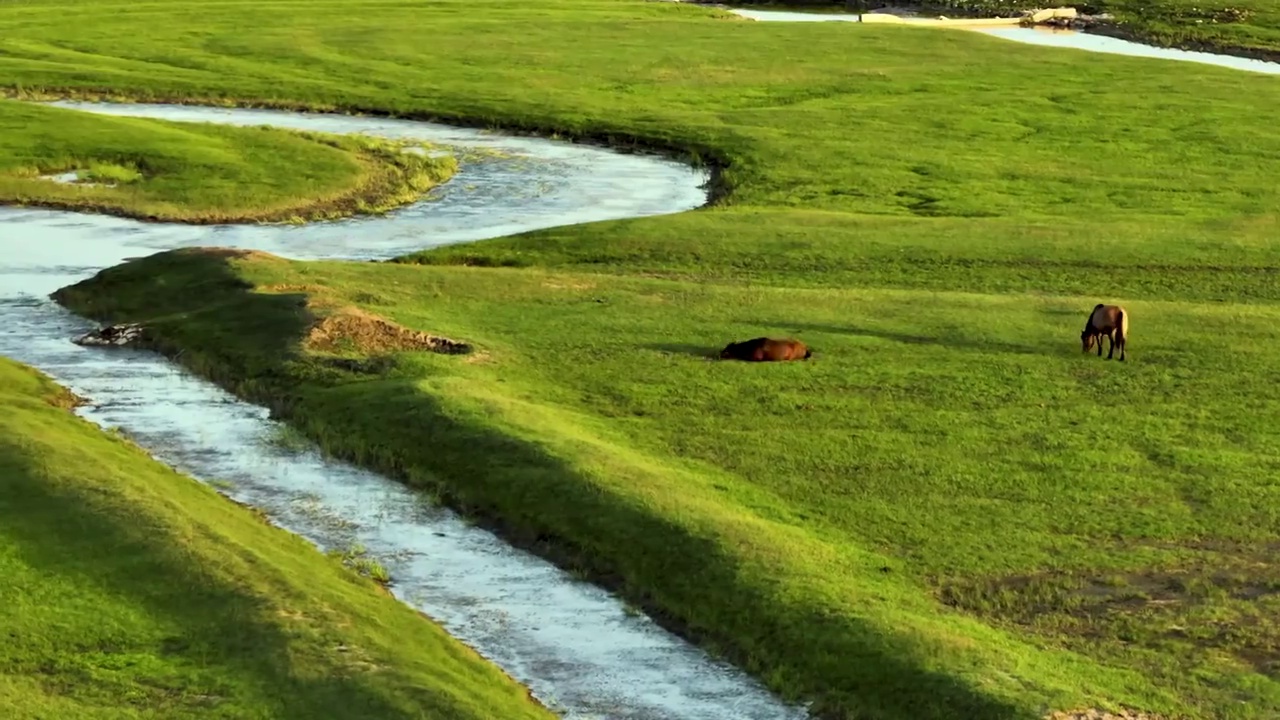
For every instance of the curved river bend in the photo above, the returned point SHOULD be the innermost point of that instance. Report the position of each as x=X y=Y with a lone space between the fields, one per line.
x=577 y=648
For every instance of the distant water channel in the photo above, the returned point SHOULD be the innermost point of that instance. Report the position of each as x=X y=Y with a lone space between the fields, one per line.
x=1049 y=37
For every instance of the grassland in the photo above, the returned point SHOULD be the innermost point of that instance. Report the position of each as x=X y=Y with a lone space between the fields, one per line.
x=201 y=173
x=131 y=591
x=948 y=513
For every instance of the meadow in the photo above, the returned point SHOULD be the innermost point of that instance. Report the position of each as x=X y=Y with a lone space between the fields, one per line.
x=134 y=592
x=949 y=511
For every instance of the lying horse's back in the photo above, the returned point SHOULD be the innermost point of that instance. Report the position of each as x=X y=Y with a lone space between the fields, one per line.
x=763 y=349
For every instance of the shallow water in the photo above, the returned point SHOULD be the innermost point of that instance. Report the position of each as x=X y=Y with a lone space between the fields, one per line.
x=575 y=646
x=1052 y=38
x=1116 y=46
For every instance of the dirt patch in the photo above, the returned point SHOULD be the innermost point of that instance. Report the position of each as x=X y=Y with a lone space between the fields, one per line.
x=1093 y=714
x=114 y=335
x=567 y=284
x=228 y=253
x=307 y=288
x=1227 y=604
x=351 y=329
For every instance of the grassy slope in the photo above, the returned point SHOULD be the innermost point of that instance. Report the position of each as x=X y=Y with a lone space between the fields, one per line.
x=878 y=167
x=133 y=592
x=198 y=172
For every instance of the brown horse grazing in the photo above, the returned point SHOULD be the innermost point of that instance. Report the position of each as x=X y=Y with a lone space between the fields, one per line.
x=1111 y=322
x=766 y=350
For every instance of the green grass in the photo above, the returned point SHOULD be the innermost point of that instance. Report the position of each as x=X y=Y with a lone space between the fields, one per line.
x=949 y=511
x=202 y=173
x=822 y=523
x=133 y=592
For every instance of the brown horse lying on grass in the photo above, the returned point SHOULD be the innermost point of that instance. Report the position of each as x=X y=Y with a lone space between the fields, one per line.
x=766 y=350
x=1109 y=321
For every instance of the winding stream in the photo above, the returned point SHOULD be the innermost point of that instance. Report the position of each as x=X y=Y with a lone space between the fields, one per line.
x=577 y=648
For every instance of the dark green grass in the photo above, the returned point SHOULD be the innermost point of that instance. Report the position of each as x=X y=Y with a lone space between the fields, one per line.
x=133 y=592
x=816 y=521
x=935 y=211
x=201 y=173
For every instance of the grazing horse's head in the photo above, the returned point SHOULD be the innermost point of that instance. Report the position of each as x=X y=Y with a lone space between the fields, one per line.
x=1086 y=339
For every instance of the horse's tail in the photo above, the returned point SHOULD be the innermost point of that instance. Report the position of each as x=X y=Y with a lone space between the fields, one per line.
x=1122 y=324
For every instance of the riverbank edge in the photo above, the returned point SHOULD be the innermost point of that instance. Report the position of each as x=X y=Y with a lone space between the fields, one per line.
x=558 y=550
x=63 y=399
x=1119 y=28
x=715 y=161
x=388 y=179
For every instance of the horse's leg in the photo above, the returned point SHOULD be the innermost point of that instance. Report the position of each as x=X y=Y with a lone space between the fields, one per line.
x=1099 y=339
x=1123 y=341
x=1111 y=344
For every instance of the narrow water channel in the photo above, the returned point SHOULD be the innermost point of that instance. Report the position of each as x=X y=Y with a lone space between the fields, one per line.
x=1046 y=37
x=579 y=650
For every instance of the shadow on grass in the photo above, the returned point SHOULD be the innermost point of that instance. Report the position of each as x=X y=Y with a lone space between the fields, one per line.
x=686 y=582
x=701 y=351
x=214 y=634
x=536 y=501
x=953 y=342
